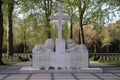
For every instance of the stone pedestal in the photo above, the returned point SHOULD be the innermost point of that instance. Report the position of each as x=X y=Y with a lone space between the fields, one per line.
x=65 y=60
x=60 y=45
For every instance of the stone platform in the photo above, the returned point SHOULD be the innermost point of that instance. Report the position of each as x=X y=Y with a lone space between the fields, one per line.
x=82 y=70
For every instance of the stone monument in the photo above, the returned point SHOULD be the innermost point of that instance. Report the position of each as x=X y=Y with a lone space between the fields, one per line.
x=60 y=43
x=67 y=55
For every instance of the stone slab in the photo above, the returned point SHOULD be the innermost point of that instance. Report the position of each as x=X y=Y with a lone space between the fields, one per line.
x=64 y=79
x=82 y=70
x=87 y=77
x=28 y=68
x=92 y=70
x=90 y=79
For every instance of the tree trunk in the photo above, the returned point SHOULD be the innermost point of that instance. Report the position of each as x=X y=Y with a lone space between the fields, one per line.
x=1 y=32
x=81 y=31
x=24 y=41
x=95 y=48
x=71 y=30
x=48 y=9
x=79 y=37
x=119 y=48
x=81 y=7
x=82 y=35
x=48 y=29
x=9 y=30
x=107 y=48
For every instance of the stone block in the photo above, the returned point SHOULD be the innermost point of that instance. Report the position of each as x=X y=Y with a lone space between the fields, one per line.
x=60 y=45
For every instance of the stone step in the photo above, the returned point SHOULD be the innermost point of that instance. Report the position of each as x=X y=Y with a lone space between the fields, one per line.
x=82 y=70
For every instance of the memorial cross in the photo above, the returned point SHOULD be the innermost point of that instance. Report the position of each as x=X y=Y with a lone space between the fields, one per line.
x=60 y=17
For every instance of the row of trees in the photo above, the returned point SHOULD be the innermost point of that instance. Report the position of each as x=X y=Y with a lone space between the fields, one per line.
x=105 y=40
x=34 y=25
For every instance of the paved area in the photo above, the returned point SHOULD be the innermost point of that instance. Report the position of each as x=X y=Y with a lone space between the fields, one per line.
x=11 y=72
x=54 y=76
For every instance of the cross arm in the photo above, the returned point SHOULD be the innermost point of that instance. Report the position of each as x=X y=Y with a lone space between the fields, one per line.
x=53 y=17
x=66 y=17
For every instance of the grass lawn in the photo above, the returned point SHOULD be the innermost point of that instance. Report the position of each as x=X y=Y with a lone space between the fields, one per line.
x=115 y=63
x=10 y=62
x=112 y=63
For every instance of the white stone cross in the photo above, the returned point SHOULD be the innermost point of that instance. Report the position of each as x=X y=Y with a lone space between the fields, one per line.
x=60 y=17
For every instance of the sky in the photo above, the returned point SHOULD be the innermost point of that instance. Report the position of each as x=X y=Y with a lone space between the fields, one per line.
x=115 y=18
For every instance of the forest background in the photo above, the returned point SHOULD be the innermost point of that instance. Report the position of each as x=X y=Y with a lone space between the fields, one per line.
x=95 y=23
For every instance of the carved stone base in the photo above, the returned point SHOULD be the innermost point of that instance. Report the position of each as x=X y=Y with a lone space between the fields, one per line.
x=63 y=60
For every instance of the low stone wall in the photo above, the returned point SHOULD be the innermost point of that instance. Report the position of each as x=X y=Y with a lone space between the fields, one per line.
x=106 y=57
x=17 y=55
x=110 y=57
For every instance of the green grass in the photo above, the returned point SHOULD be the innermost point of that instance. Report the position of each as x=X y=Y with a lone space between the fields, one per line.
x=115 y=63
x=10 y=62
x=111 y=63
